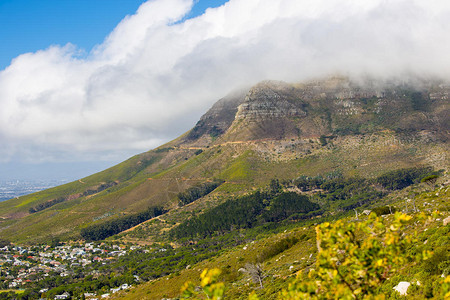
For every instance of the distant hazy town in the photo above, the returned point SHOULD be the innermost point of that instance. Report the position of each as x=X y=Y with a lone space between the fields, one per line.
x=15 y=188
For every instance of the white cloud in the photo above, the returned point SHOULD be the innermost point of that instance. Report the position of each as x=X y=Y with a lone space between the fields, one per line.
x=155 y=74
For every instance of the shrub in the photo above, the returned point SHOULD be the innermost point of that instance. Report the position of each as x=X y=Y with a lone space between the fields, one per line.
x=439 y=261
x=277 y=248
x=209 y=285
x=102 y=231
x=354 y=259
x=384 y=210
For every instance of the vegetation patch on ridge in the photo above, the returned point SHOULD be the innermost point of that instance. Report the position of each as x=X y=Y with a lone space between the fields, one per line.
x=198 y=191
x=246 y=212
x=101 y=231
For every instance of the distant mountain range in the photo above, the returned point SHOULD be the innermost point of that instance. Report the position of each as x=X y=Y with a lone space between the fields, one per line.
x=248 y=138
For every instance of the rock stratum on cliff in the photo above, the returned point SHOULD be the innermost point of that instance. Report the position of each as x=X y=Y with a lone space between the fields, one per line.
x=277 y=110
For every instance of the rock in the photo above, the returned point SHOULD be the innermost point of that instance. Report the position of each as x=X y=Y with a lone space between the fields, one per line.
x=219 y=118
x=402 y=287
x=446 y=221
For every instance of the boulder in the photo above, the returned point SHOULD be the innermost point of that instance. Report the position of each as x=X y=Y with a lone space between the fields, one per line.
x=402 y=287
x=446 y=221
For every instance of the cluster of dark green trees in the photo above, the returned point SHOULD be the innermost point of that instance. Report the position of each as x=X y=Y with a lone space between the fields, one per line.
x=100 y=188
x=101 y=231
x=348 y=192
x=400 y=179
x=393 y=180
x=354 y=192
x=10 y=295
x=198 y=191
x=246 y=212
x=45 y=205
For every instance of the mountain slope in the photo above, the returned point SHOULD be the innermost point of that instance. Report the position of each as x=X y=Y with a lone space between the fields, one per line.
x=272 y=130
x=292 y=251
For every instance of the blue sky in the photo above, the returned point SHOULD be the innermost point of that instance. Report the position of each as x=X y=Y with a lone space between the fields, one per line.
x=31 y=25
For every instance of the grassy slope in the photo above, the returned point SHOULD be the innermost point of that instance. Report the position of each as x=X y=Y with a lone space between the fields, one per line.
x=284 y=266
x=253 y=170
x=66 y=216
x=155 y=178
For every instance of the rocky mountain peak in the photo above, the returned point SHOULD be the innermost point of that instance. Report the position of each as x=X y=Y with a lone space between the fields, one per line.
x=333 y=106
x=217 y=119
x=269 y=99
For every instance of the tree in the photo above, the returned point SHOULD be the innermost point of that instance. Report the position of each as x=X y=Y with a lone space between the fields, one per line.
x=256 y=273
x=274 y=186
x=4 y=243
x=430 y=180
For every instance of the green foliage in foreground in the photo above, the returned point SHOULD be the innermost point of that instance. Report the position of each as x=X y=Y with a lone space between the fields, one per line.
x=102 y=231
x=355 y=259
x=10 y=294
x=210 y=287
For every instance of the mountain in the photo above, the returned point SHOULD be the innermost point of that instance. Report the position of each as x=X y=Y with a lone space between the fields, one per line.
x=271 y=130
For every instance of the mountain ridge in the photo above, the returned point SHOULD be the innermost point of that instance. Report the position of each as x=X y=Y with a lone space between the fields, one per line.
x=274 y=99
x=272 y=130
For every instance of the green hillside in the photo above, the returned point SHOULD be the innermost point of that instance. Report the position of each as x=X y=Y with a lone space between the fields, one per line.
x=274 y=130
x=290 y=251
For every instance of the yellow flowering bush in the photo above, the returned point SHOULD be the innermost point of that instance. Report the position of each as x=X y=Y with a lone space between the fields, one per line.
x=210 y=287
x=355 y=258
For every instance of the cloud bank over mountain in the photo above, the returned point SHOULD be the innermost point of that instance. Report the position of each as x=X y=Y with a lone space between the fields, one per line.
x=156 y=73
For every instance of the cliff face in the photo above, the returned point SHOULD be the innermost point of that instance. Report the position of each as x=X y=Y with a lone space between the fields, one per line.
x=217 y=120
x=270 y=100
x=336 y=106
